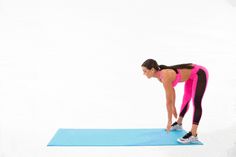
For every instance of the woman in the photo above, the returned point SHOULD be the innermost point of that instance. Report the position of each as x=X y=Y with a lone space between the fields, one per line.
x=195 y=78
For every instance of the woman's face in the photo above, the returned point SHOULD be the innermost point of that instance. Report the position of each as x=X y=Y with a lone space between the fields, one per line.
x=147 y=72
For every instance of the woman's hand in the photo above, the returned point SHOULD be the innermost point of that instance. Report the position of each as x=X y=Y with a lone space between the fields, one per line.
x=168 y=126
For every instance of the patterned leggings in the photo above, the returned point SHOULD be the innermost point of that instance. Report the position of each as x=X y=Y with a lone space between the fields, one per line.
x=194 y=89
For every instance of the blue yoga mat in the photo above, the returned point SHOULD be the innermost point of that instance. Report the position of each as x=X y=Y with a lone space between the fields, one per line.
x=116 y=137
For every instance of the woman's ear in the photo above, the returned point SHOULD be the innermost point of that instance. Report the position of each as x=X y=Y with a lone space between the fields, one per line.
x=153 y=70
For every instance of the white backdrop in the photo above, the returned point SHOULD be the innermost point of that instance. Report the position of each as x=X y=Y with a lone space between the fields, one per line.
x=77 y=64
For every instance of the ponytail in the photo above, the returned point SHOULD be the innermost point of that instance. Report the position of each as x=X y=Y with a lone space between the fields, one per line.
x=178 y=66
x=151 y=63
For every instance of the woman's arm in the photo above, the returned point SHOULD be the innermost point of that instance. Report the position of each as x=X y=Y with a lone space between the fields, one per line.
x=168 y=77
x=170 y=98
x=173 y=107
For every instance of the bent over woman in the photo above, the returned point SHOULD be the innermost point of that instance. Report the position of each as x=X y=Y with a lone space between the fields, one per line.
x=195 y=78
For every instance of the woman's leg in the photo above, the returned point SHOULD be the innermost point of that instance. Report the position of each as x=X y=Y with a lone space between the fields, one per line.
x=186 y=99
x=199 y=86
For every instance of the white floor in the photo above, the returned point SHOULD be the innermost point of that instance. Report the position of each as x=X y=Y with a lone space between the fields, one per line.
x=26 y=135
x=32 y=142
x=76 y=64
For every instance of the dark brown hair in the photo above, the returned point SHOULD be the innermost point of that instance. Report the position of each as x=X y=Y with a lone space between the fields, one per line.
x=151 y=63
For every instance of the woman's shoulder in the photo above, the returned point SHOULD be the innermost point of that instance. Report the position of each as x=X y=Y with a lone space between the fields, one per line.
x=168 y=74
x=168 y=71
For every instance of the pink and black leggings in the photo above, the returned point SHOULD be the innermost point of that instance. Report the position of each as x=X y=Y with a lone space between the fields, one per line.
x=194 y=89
